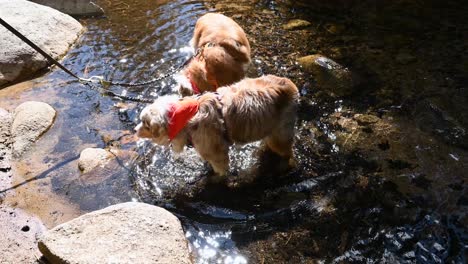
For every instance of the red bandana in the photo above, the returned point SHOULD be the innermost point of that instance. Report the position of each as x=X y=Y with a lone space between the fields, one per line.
x=179 y=114
x=195 y=88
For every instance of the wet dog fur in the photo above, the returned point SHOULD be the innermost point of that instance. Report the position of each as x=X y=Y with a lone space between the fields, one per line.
x=252 y=109
x=224 y=56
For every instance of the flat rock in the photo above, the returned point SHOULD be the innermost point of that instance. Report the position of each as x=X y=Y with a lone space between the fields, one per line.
x=31 y=120
x=5 y=127
x=124 y=233
x=73 y=7
x=48 y=28
x=5 y=140
x=330 y=76
x=296 y=24
x=20 y=232
x=91 y=158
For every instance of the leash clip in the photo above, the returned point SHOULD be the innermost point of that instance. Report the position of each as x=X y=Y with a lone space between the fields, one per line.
x=92 y=79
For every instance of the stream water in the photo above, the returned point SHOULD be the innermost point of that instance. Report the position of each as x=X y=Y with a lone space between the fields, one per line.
x=392 y=191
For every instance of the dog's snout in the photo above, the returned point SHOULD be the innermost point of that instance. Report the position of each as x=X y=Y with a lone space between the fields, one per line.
x=137 y=128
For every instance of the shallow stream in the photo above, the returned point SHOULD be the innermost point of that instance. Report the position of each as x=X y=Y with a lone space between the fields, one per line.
x=387 y=189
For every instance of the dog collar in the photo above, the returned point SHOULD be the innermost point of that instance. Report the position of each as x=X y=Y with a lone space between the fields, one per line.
x=179 y=114
x=213 y=82
x=195 y=88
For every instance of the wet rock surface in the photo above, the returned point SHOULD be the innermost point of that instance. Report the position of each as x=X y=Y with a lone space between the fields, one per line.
x=31 y=120
x=126 y=233
x=49 y=29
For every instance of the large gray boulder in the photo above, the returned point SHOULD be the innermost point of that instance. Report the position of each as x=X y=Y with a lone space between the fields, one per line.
x=124 y=233
x=31 y=120
x=49 y=29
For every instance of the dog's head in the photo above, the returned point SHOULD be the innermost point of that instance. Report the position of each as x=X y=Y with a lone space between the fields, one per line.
x=154 y=121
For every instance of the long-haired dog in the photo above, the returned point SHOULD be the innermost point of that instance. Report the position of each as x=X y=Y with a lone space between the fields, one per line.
x=247 y=111
x=223 y=54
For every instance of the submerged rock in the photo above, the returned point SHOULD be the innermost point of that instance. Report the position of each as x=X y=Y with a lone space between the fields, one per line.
x=365 y=132
x=31 y=120
x=124 y=233
x=296 y=24
x=91 y=158
x=330 y=76
x=377 y=139
x=239 y=6
x=49 y=29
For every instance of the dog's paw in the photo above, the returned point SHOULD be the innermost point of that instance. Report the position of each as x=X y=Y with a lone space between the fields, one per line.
x=292 y=163
x=216 y=179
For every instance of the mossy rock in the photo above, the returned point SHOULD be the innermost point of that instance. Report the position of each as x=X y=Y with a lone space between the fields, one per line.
x=330 y=76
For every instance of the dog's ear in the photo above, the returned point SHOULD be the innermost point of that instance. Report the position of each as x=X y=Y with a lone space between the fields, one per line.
x=157 y=127
x=154 y=130
x=236 y=49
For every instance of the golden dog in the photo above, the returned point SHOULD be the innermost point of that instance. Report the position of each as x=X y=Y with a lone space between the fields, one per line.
x=247 y=111
x=223 y=54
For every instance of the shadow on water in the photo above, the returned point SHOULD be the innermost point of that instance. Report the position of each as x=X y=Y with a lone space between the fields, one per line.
x=380 y=173
x=40 y=176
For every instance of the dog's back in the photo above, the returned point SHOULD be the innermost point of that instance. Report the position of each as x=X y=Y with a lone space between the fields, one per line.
x=222 y=30
x=254 y=108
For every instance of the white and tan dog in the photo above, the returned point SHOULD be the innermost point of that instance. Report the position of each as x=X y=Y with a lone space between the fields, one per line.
x=224 y=54
x=247 y=111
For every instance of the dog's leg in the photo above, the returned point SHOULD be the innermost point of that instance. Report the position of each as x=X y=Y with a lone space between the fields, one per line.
x=179 y=142
x=216 y=152
x=282 y=138
x=219 y=159
x=280 y=145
